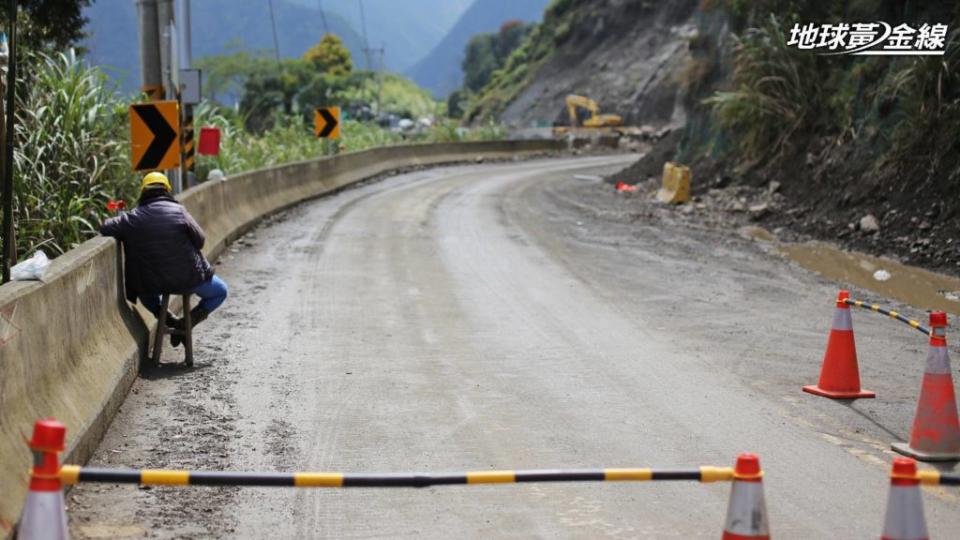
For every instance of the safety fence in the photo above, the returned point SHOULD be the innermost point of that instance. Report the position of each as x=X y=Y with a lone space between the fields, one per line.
x=44 y=516
x=71 y=474
x=889 y=313
x=934 y=478
x=935 y=435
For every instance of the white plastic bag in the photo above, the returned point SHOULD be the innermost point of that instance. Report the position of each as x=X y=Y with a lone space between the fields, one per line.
x=32 y=268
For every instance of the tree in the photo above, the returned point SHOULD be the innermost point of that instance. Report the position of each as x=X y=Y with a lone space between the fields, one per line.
x=456 y=103
x=487 y=53
x=510 y=37
x=48 y=24
x=479 y=62
x=330 y=56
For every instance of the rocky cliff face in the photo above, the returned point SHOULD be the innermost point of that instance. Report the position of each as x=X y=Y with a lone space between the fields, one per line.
x=625 y=54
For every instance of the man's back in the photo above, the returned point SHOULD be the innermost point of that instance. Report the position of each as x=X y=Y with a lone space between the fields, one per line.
x=162 y=244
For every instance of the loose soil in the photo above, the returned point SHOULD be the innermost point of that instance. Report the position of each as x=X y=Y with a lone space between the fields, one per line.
x=918 y=226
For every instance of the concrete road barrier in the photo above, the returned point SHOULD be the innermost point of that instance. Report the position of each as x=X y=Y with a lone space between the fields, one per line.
x=70 y=347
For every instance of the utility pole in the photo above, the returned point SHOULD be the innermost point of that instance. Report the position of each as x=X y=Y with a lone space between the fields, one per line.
x=367 y=51
x=323 y=17
x=151 y=75
x=166 y=46
x=169 y=66
x=9 y=245
x=363 y=26
x=276 y=42
x=378 y=55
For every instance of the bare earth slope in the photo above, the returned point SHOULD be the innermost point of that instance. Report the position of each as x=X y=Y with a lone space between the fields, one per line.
x=624 y=55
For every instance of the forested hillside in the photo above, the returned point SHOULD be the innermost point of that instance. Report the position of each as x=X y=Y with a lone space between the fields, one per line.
x=440 y=71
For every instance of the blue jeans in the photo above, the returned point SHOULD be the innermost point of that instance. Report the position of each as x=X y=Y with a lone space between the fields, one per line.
x=212 y=293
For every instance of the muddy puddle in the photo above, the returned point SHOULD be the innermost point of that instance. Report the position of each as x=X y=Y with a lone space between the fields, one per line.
x=886 y=277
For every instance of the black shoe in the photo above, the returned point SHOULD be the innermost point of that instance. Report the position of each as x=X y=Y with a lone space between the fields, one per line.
x=173 y=322
x=197 y=316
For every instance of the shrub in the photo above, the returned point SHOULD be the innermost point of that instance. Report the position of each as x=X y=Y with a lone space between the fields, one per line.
x=71 y=154
x=776 y=92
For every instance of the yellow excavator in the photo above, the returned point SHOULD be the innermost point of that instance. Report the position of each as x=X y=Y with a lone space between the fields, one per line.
x=596 y=120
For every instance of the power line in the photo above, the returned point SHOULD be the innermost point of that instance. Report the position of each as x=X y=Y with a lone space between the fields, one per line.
x=363 y=25
x=323 y=17
x=276 y=44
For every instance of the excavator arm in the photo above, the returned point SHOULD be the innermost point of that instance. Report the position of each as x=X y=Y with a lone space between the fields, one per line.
x=574 y=102
x=596 y=120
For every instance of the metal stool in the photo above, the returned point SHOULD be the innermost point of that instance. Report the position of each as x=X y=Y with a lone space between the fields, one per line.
x=163 y=330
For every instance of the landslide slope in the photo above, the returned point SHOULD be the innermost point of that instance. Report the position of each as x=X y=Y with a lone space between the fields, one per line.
x=624 y=54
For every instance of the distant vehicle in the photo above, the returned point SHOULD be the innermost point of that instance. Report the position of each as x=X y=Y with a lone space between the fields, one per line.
x=388 y=120
x=360 y=111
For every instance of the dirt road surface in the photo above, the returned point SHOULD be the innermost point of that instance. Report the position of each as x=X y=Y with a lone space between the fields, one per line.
x=510 y=316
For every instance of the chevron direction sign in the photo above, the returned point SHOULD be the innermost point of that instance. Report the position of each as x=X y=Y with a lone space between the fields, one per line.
x=155 y=135
x=326 y=123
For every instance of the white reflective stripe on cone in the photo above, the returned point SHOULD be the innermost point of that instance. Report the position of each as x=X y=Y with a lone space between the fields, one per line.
x=43 y=517
x=938 y=361
x=842 y=319
x=905 y=520
x=747 y=511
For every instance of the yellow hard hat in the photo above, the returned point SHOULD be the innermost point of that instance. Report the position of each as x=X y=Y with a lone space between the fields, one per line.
x=155 y=178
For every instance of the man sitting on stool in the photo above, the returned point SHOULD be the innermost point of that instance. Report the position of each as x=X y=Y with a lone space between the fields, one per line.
x=161 y=245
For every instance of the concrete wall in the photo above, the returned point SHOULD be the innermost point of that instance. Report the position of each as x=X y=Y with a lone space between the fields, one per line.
x=71 y=346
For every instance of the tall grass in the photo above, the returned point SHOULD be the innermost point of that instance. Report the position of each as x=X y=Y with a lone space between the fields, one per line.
x=927 y=132
x=71 y=154
x=776 y=92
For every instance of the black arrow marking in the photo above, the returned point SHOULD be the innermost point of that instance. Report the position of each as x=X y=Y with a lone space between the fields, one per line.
x=330 y=120
x=163 y=136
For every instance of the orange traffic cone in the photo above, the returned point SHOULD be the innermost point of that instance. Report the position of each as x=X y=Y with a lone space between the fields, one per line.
x=43 y=515
x=936 y=429
x=904 y=519
x=747 y=511
x=840 y=374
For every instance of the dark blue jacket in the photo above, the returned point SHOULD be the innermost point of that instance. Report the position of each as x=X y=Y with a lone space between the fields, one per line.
x=161 y=246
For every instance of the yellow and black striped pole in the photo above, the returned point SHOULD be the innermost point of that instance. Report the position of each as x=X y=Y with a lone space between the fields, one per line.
x=889 y=313
x=74 y=474
x=187 y=144
x=937 y=478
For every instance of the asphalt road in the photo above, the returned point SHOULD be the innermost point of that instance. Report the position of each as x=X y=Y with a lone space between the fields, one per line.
x=509 y=316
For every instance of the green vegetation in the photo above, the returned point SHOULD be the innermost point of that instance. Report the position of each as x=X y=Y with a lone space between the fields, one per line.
x=488 y=52
x=485 y=54
x=291 y=139
x=330 y=56
x=71 y=154
x=522 y=63
x=267 y=89
x=777 y=91
x=47 y=24
x=902 y=114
